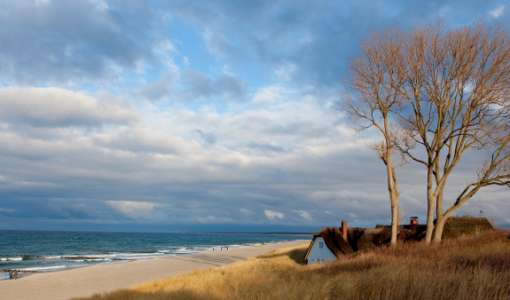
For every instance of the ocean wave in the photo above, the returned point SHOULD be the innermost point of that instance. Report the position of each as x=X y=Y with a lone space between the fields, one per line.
x=11 y=259
x=137 y=256
x=4 y=276
x=51 y=257
x=88 y=257
x=61 y=261
x=186 y=250
x=90 y=260
x=42 y=269
x=164 y=251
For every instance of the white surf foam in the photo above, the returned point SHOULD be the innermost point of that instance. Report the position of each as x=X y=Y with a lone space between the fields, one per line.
x=10 y=259
x=52 y=257
x=42 y=269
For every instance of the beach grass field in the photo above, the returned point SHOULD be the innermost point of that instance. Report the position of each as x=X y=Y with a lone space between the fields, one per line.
x=473 y=267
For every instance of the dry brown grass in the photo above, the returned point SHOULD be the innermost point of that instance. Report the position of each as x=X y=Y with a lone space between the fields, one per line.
x=466 y=268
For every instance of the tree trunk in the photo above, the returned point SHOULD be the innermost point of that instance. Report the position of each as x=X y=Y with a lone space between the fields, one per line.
x=438 y=230
x=394 y=220
x=393 y=193
x=430 y=206
x=440 y=218
x=463 y=198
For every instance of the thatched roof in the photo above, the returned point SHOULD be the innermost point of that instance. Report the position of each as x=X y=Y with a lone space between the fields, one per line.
x=456 y=226
x=368 y=238
x=333 y=239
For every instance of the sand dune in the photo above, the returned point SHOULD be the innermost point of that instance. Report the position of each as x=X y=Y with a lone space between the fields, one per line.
x=108 y=277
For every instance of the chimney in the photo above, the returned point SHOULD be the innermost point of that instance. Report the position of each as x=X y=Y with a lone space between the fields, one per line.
x=345 y=230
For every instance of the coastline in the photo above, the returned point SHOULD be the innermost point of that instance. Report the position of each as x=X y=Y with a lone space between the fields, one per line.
x=101 y=278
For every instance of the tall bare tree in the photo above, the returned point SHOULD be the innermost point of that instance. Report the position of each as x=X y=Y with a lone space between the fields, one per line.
x=378 y=78
x=456 y=100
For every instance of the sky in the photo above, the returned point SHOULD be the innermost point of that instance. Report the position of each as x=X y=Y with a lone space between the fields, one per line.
x=163 y=115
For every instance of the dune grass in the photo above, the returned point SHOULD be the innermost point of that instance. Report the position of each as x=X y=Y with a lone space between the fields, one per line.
x=475 y=267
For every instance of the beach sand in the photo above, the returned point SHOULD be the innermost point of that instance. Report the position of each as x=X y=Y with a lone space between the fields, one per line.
x=102 y=278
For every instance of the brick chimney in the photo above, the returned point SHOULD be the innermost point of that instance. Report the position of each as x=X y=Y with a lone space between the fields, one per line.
x=345 y=230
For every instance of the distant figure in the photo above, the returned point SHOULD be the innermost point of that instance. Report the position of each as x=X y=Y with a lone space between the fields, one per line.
x=13 y=274
x=413 y=220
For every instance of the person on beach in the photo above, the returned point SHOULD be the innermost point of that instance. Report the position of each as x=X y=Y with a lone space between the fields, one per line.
x=13 y=274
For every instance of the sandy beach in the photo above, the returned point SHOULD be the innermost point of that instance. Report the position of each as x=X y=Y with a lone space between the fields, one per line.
x=102 y=278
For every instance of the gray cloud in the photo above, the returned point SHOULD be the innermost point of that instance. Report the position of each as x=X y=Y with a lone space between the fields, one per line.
x=111 y=169
x=320 y=38
x=283 y=153
x=158 y=170
x=189 y=85
x=198 y=85
x=54 y=107
x=62 y=41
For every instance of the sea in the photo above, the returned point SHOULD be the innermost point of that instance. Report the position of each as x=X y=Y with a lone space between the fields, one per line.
x=45 y=251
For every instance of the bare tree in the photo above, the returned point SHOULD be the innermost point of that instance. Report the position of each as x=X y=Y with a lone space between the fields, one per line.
x=378 y=80
x=449 y=93
x=456 y=100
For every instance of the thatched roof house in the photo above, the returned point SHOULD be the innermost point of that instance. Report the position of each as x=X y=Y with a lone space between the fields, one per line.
x=329 y=244
x=333 y=243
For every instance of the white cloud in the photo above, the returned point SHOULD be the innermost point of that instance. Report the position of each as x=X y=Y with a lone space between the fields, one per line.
x=497 y=12
x=58 y=107
x=133 y=209
x=268 y=94
x=304 y=214
x=100 y=5
x=41 y=2
x=273 y=215
x=285 y=72
x=224 y=166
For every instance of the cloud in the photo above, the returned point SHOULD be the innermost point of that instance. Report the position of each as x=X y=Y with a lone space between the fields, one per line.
x=198 y=85
x=72 y=42
x=497 y=12
x=223 y=166
x=133 y=209
x=223 y=109
x=304 y=214
x=246 y=211
x=273 y=215
x=161 y=88
x=318 y=40
x=55 y=107
x=193 y=85
x=142 y=141
x=323 y=167
x=256 y=160
x=285 y=72
x=64 y=41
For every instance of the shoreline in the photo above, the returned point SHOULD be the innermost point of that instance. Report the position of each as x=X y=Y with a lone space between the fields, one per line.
x=100 y=278
x=26 y=265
